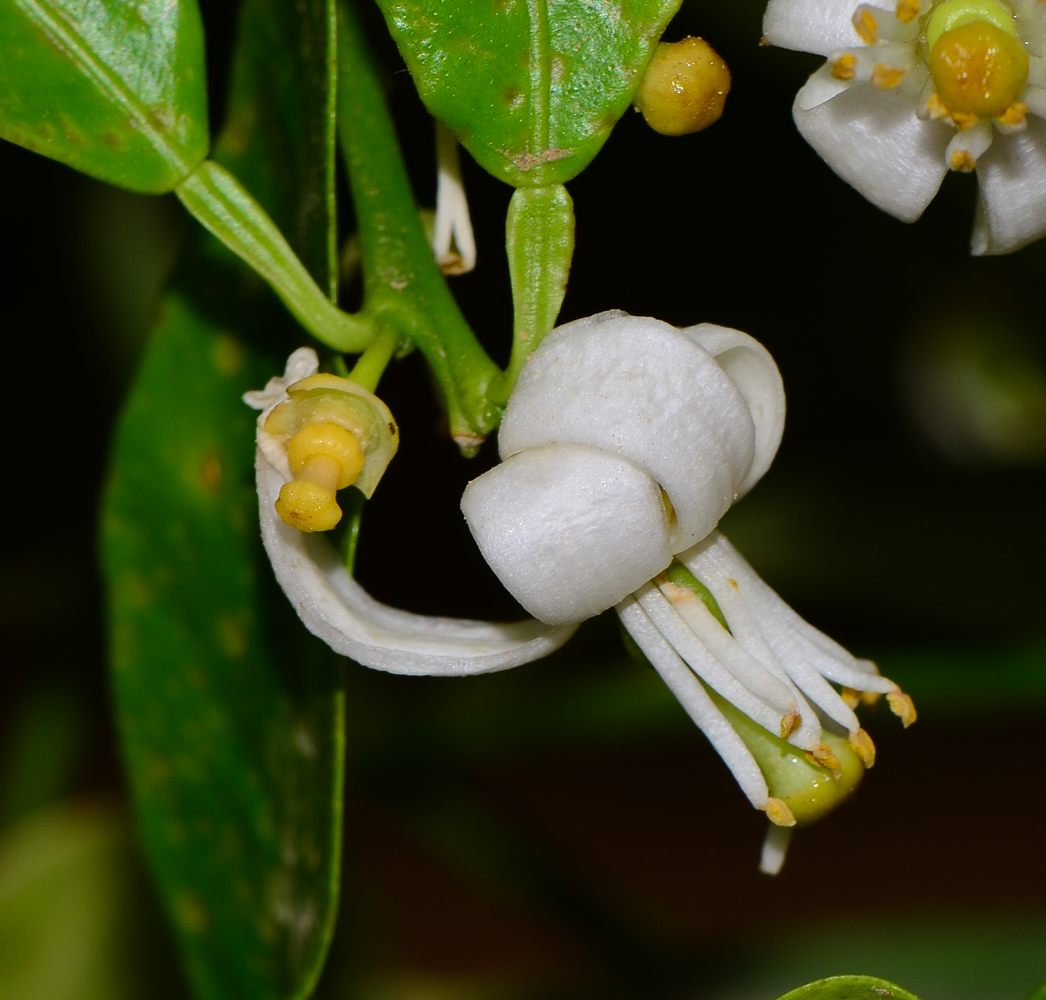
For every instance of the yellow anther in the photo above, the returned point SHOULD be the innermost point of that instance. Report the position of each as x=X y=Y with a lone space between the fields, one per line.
x=823 y=757
x=902 y=706
x=863 y=747
x=790 y=723
x=870 y=698
x=684 y=88
x=1014 y=114
x=978 y=69
x=851 y=697
x=778 y=813
x=866 y=26
x=935 y=107
x=962 y=121
x=962 y=162
x=845 y=67
x=885 y=77
x=330 y=441
x=907 y=10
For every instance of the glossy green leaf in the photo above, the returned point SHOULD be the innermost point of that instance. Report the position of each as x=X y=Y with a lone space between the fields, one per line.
x=531 y=88
x=231 y=716
x=849 y=988
x=115 y=88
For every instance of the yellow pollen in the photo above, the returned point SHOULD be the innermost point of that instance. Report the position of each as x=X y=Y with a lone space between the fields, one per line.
x=964 y=122
x=978 y=70
x=962 y=161
x=885 y=77
x=863 y=747
x=778 y=813
x=902 y=706
x=870 y=698
x=851 y=697
x=867 y=28
x=935 y=106
x=823 y=757
x=790 y=723
x=324 y=458
x=1014 y=114
x=845 y=67
x=907 y=11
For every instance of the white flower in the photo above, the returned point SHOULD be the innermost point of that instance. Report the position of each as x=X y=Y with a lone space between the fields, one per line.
x=624 y=442
x=930 y=85
x=333 y=606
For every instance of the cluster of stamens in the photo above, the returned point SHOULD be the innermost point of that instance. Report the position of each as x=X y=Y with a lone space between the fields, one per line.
x=972 y=63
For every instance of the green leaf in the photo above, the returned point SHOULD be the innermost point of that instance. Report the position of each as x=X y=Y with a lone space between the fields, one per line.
x=531 y=88
x=849 y=988
x=230 y=714
x=115 y=88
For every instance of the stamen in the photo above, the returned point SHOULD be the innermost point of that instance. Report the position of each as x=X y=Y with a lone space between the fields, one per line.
x=870 y=698
x=865 y=25
x=823 y=757
x=850 y=697
x=935 y=106
x=887 y=77
x=903 y=707
x=775 y=849
x=1014 y=114
x=863 y=747
x=907 y=10
x=452 y=209
x=778 y=813
x=790 y=723
x=844 y=67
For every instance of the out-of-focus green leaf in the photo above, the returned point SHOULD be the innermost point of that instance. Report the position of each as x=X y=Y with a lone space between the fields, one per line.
x=114 y=88
x=1039 y=993
x=531 y=89
x=231 y=716
x=849 y=988
x=63 y=885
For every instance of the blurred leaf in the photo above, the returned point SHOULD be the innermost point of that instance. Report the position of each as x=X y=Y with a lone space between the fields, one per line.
x=42 y=751
x=231 y=715
x=1039 y=993
x=533 y=89
x=849 y=988
x=63 y=888
x=115 y=89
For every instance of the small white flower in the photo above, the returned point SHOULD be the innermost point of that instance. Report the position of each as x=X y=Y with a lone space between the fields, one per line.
x=929 y=86
x=624 y=443
x=333 y=606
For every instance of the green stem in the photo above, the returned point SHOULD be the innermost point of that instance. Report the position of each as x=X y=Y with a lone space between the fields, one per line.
x=403 y=286
x=222 y=205
x=539 y=237
x=375 y=359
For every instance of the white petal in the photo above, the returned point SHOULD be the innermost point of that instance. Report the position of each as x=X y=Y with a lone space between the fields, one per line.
x=873 y=140
x=754 y=372
x=695 y=700
x=569 y=529
x=338 y=610
x=821 y=87
x=1012 y=177
x=810 y=25
x=639 y=388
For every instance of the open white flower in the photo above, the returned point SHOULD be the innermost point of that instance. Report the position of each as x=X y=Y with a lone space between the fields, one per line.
x=928 y=86
x=333 y=606
x=624 y=443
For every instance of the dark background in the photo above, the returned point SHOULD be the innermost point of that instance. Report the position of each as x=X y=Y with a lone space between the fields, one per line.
x=561 y=829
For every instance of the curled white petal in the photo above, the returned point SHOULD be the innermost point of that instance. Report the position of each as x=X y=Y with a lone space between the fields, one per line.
x=873 y=140
x=819 y=26
x=641 y=389
x=333 y=606
x=753 y=371
x=569 y=529
x=452 y=222
x=966 y=148
x=1012 y=177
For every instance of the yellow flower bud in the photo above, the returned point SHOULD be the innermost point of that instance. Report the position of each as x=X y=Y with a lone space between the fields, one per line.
x=684 y=88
